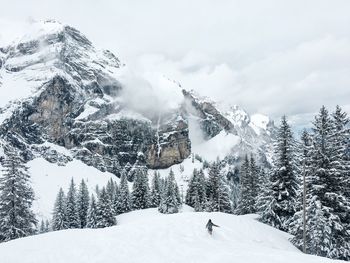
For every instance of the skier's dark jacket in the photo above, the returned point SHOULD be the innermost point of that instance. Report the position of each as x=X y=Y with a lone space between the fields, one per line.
x=210 y=225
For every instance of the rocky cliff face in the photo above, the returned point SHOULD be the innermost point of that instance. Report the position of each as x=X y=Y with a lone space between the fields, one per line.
x=74 y=102
x=172 y=144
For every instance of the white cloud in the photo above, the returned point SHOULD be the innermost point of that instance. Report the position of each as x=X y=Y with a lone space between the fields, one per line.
x=294 y=82
x=268 y=56
x=149 y=93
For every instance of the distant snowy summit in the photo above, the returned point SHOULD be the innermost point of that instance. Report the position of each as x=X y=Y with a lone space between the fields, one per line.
x=49 y=50
x=58 y=89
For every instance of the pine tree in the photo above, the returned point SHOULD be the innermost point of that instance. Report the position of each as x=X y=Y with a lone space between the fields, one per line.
x=266 y=203
x=218 y=191
x=254 y=182
x=235 y=193
x=177 y=194
x=202 y=188
x=83 y=203
x=212 y=186
x=123 y=199
x=59 y=219
x=141 y=192
x=197 y=205
x=110 y=189
x=196 y=191
x=16 y=198
x=71 y=207
x=155 y=190
x=284 y=176
x=92 y=214
x=210 y=205
x=169 y=203
x=191 y=190
x=104 y=212
x=224 y=202
x=115 y=202
x=246 y=204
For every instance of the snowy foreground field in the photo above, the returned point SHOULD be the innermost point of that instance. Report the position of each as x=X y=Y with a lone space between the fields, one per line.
x=148 y=236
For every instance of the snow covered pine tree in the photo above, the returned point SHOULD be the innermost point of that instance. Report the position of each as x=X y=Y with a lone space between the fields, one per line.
x=141 y=193
x=169 y=203
x=59 y=219
x=284 y=178
x=83 y=203
x=16 y=198
x=104 y=211
x=196 y=191
x=123 y=198
x=92 y=213
x=155 y=190
x=249 y=187
x=218 y=191
x=71 y=207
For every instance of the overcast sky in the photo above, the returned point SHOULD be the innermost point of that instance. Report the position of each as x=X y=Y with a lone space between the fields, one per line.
x=273 y=57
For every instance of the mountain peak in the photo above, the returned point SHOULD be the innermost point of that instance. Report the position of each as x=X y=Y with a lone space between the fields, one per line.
x=49 y=49
x=40 y=29
x=48 y=31
x=237 y=116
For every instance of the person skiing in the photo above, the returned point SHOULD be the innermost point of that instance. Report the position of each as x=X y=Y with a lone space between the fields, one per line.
x=210 y=225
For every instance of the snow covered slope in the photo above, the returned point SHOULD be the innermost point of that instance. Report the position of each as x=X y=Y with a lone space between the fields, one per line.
x=147 y=236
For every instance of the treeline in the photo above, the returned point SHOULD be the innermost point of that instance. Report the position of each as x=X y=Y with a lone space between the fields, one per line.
x=322 y=156
x=79 y=209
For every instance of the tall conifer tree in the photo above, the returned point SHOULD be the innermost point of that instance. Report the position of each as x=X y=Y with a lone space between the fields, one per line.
x=83 y=203
x=59 y=219
x=72 y=207
x=16 y=197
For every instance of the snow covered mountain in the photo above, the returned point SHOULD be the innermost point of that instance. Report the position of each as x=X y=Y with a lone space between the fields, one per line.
x=57 y=87
x=148 y=236
x=65 y=106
